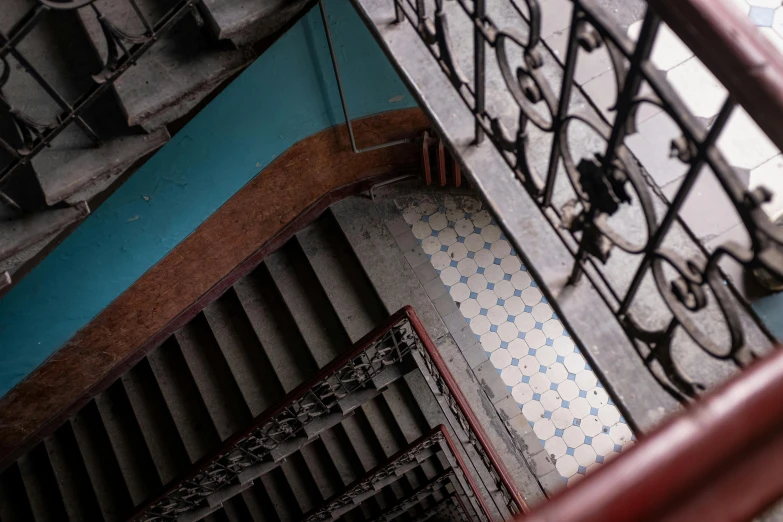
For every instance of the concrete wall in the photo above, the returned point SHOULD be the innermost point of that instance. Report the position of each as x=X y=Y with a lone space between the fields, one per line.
x=289 y=93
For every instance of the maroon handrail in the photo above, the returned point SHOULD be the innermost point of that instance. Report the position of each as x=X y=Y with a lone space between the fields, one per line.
x=743 y=59
x=464 y=405
x=719 y=460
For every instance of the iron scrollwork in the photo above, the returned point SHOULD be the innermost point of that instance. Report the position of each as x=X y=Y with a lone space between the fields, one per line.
x=606 y=183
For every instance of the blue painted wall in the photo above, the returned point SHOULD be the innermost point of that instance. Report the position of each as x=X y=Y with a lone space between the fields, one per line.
x=289 y=93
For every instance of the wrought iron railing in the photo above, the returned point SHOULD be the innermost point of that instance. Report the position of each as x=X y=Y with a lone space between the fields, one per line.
x=432 y=486
x=394 y=465
x=314 y=399
x=246 y=453
x=123 y=51
x=665 y=290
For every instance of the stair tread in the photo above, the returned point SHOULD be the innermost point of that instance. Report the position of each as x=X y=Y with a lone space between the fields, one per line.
x=342 y=277
x=14 y=503
x=300 y=481
x=157 y=425
x=246 y=22
x=127 y=441
x=236 y=510
x=242 y=350
x=189 y=63
x=41 y=486
x=323 y=470
x=184 y=401
x=101 y=462
x=78 y=494
x=280 y=496
x=342 y=455
x=213 y=377
x=279 y=337
x=307 y=302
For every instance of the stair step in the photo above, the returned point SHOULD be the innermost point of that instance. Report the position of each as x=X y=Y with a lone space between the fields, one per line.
x=41 y=486
x=78 y=494
x=342 y=277
x=213 y=377
x=347 y=463
x=362 y=440
x=254 y=505
x=404 y=409
x=242 y=350
x=184 y=401
x=174 y=75
x=280 y=339
x=127 y=441
x=280 y=496
x=383 y=426
x=308 y=304
x=301 y=482
x=155 y=421
x=73 y=162
x=226 y=493
x=322 y=468
x=247 y=22
x=19 y=234
x=237 y=511
x=101 y=463
x=14 y=503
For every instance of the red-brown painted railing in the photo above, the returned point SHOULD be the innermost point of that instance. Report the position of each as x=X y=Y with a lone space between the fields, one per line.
x=473 y=422
x=719 y=460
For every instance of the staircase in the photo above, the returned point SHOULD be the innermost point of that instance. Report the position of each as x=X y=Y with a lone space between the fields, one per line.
x=240 y=361
x=87 y=92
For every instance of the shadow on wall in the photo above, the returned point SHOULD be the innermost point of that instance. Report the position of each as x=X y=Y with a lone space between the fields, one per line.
x=287 y=94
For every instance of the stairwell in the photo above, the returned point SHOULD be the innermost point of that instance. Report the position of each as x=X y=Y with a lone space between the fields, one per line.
x=275 y=328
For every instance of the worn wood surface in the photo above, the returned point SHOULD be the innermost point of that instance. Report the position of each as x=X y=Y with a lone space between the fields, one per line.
x=282 y=199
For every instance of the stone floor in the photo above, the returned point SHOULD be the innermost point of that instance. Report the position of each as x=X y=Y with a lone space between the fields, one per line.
x=566 y=405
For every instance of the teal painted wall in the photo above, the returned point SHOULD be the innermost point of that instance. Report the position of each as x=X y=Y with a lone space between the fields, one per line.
x=289 y=93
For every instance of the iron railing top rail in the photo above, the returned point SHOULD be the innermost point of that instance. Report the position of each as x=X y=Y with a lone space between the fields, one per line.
x=259 y=421
x=745 y=61
x=718 y=460
x=464 y=405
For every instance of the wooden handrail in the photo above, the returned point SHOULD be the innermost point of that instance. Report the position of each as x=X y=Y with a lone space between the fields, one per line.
x=721 y=459
x=462 y=402
x=743 y=59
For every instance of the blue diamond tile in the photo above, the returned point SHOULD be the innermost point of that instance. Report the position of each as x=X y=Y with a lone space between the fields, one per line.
x=530 y=351
x=549 y=342
x=547 y=414
x=442 y=210
x=478 y=338
x=510 y=388
x=470 y=255
x=533 y=284
x=565 y=333
x=554 y=315
x=513 y=252
x=565 y=404
x=537 y=396
x=542 y=368
x=480 y=270
x=493 y=328
x=577 y=422
x=483 y=311
x=543 y=300
x=490 y=286
x=506 y=277
x=599 y=459
x=460 y=239
x=510 y=318
x=425 y=218
x=582 y=393
x=582 y=470
x=444 y=248
x=468 y=215
x=435 y=233
x=538 y=325
x=463 y=279
x=473 y=295
x=452 y=224
x=501 y=302
x=488 y=246
x=453 y=263
x=588 y=440
x=558 y=432
x=467 y=319
x=552 y=386
x=525 y=379
x=518 y=293
x=528 y=309
x=570 y=451
x=521 y=335
x=503 y=344
x=514 y=361
x=761 y=16
x=587 y=366
x=618 y=448
x=429 y=256
x=476 y=230
x=523 y=268
x=497 y=260
x=498 y=370
x=560 y=359
x=572 y=377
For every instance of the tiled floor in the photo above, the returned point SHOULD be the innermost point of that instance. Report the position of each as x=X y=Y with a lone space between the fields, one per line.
x=566 y=405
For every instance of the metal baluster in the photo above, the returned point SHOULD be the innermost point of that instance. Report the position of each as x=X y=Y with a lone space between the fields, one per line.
x=479 y=66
